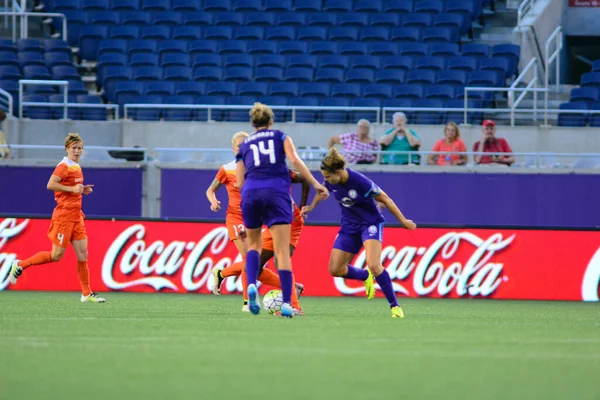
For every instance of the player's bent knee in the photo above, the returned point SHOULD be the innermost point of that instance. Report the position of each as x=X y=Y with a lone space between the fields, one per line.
x=375 y=268
x=56 y=256
x=337 y=270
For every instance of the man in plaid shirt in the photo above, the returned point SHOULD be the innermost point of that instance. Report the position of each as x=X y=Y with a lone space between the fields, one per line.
x=358 y=141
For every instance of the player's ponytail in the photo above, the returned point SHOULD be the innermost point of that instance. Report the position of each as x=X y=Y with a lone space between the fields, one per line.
x=261 y=115
x=72 y=138
x=333 y=162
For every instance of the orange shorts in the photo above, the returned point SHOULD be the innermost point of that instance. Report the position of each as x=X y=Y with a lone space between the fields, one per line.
x=61 y=233
x=235 y=225
x=296 y=230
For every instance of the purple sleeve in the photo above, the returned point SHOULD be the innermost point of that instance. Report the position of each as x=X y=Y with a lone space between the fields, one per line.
x=368 y=187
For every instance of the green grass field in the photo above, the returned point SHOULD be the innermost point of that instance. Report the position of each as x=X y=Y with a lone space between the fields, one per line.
x=151 y=346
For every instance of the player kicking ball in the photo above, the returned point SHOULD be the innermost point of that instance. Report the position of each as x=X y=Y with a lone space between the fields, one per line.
x=362 y=225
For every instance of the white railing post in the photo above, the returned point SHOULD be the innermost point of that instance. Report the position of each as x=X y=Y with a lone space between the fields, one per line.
x=466 y=93
x=555 y=37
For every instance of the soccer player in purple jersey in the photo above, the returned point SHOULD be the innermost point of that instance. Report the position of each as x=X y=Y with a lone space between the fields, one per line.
x=264 y=179
x=362 y=225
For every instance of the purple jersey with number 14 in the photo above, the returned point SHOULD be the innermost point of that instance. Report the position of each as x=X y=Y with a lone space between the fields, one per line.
x=266 y=192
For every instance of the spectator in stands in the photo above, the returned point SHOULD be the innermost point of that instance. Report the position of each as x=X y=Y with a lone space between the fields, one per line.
x=451 y=143
x=4 y=149
x=358 y=141
x=400 y=138
x=491 y=144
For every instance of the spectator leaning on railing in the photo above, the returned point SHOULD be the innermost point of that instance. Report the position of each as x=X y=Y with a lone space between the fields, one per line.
x=358 y=141
x=400 y=138
x=4 y=149
x=451 y=143
x=491 y=144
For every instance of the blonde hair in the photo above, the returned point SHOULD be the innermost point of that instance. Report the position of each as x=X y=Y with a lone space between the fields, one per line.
x=261 y=115
x=240 y=134
x=72 y=138
x=333 y=161
x=452 y=124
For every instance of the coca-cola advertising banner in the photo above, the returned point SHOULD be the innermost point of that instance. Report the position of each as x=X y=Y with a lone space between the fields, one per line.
x=584 y=3
x=140 y=256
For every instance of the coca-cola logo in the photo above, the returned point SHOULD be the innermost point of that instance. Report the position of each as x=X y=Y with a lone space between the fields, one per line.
x=438 y=269
x=591 y=279
x=159 y=263
x=9 y=228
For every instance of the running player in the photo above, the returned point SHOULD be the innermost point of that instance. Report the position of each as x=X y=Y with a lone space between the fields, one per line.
x=362 y=224
x=67 y=224
x=263 y=175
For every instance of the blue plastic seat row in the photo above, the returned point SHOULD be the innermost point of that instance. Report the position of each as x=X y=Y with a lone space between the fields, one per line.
x=579 y=119
x=35 y=45
x=76 y=87
x=49 y=112
x=34 y=71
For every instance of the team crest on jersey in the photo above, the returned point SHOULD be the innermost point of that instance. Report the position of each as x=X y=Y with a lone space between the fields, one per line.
x=372 y=230
x=347 y=202
x=352 y=193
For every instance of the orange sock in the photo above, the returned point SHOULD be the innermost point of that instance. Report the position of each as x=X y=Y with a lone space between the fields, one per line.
x=244 y=284
x=270 y=278
x=295 y=301
x=43 y=257
x=83 y=273
x=233 y=269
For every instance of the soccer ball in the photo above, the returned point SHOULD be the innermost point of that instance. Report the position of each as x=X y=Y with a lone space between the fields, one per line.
x=273 y=301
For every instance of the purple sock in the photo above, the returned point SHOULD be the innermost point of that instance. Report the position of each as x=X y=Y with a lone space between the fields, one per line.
x=252 y=261
x=285 y=277
x=356 y=273
x=385 y=283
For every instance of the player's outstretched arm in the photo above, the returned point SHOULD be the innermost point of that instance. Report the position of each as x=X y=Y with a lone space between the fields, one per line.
x=316 y=200
x=382 y=197
x=299 y=178
x=240 y=174
x=55 y=185
x=296 y=161
x=215 y=205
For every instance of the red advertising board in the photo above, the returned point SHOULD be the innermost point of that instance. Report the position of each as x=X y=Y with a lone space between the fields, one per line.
x=584 y=3
x=139 y=256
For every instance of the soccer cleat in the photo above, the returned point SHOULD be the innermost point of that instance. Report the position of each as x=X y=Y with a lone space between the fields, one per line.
x=370 y=285
x=253 y=299
x=397 y=312
x=299 y=289
x=245 y=308
x=15 y=272
x=217 y=280
x=287 y=311
x=92 y=298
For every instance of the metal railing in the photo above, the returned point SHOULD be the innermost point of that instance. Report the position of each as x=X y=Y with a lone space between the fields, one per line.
x=24 y=17
x=524 y=8
x=90 y=153
x=7 y=101
x=557 y=38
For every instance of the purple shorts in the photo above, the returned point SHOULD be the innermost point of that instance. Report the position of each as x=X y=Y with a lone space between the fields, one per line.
x=266 y=207
x=353 y=242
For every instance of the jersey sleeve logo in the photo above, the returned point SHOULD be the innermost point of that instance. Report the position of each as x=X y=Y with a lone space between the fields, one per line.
x=352 y=193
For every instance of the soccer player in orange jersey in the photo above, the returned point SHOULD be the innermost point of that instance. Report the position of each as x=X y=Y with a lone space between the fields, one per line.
x=235 y=225
x=67 y=220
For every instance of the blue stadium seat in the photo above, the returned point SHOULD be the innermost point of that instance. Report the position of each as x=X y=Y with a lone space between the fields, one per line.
x=485 y=78
x=63 y=5
x=124 y=88
x=57 y=46
x=177 y=74
x=343 y=34
x=585 y=94
x=217 y=5
x=239 y=115
x=312 y=34
x=429 y=6
x=125 y=5
x=27 y=58
x=244 y=6
x=237 y=60
x=114 y=74
x=413 y=49
x=208 y=74
x=470 y=9
x=125 y=32
x=175 y=60
x=172 y=47
x=385 y=20
x=360 y=75
x=452 y=77
x=112 y=46
x=463 y=63
x=339 y=62
x=143 y=60
x=42 y=89
x=573 y=119
x=353 y=20
x=305 y=115
x=36 y=72
x=406 y=34
x=91 y=114
x=432 y=63
x=590 y=79
x=232 y=47
x=168 y=18
x=284 y=89
x=186 y=6
x=156 y=5
x=417 y=20
x=255 y=89
x=268 y=74
x=155 y=33
x=262 y=47
x=409 y=91
x=476 y=49
x=147 y=73
x=216 y=114
x=473 y=117
x=368 y=6
x=269 y=61
x=334 y=116
x=307 y=5
x=249 y=33
x=136 y=18
x=352 y=49
x=442 y=92
x=221 y=89
x=181 y=114
x=365 y=62
x=143 y=46
x=7 y=45
x=291 y=48
x=398 y=6
x=160 y=88
x=382 y=49
x=53 y=59
x=451 y=20
x=94 y=5
x=596 y=66
x=9 y=72
x=231 y=19
x=218 y=33
x=338 y=6
x=36 y=112
x=299 y=75
x=197 y=19
x=322 y=20
x=65 y=73
x=296 y=61
x=291 y=19
x=144 y=114
x=374 y=35
x=329 y=75
x=280 y=115
x=77 y=87
x=368 y=115
x=428 y=117
x=390 y=76
x=190 y=88
x=509 y=51
x=377 y=90
x=315 y=90
x=444 y=49
x=498 y=64
x=10 y=58
x=237 y=74
x=277 y=5
x=444 y=34
x=202 y=47
x=105 y=18
x=405 y=63
x=186 y=33
x=397 y=103
x=107 y=60
x=594 y=119
x=260 y=19
x=322 y=48
x=486 y=98
x=280 y=33
x=89 y=41
x=349 y=90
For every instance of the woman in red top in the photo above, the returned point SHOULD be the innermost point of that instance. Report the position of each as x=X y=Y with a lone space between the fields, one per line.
x=67 y=220
x=452 y=143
